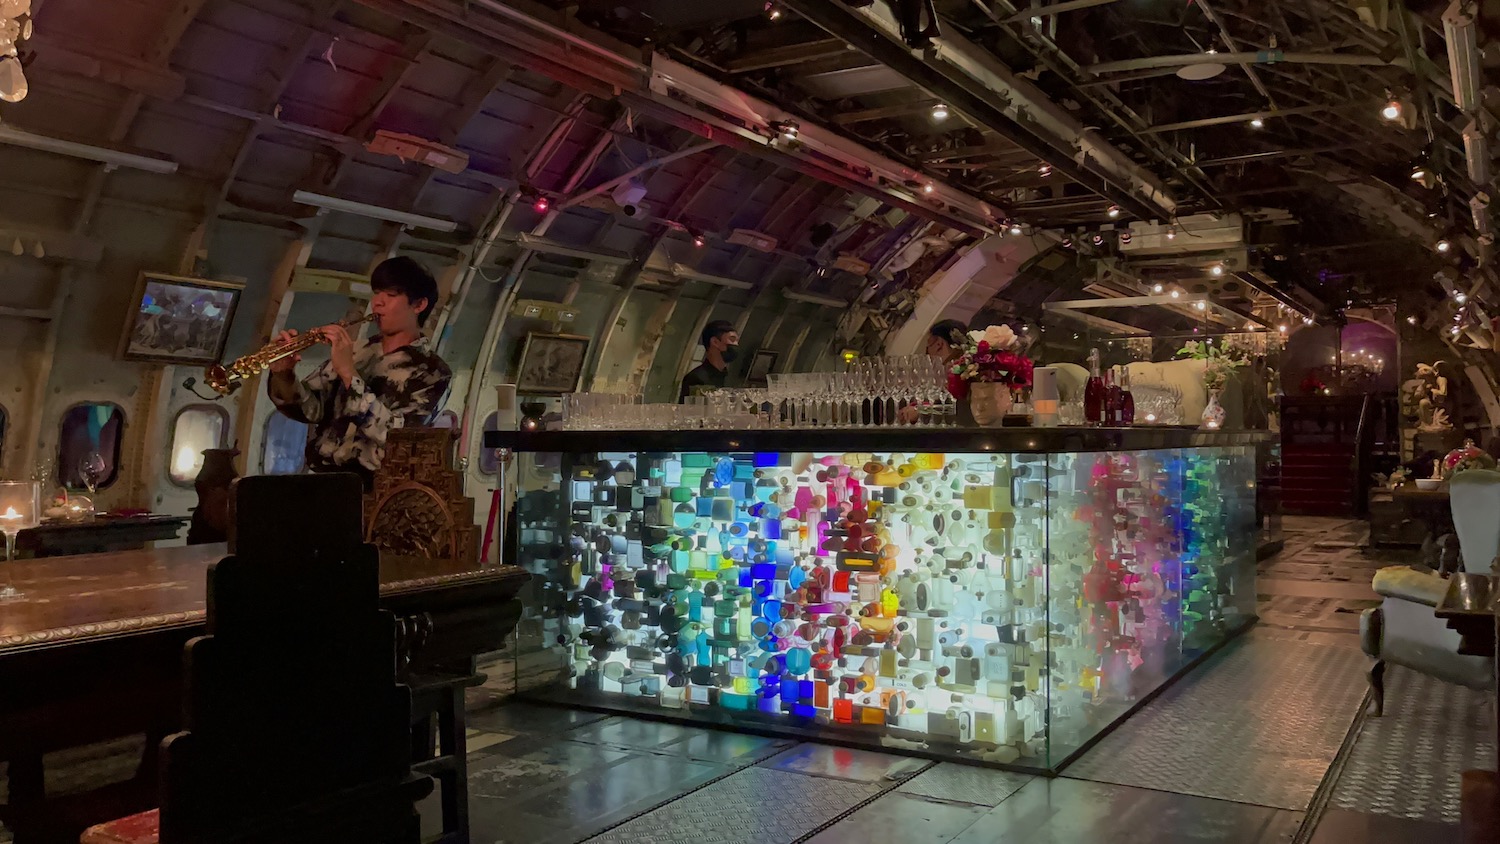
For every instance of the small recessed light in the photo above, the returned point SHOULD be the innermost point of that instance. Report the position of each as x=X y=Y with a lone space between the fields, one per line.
x=1216 y=270
x=1443 y=245
x=928 y=188
x=1411 y=320
x=1392 y=111
x=1113 y=212
x=1157 y=288
x=939 y=113
x=1257 y=123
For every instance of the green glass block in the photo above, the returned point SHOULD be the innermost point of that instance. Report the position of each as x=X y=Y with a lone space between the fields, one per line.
x=682 y=494
x=696 y=460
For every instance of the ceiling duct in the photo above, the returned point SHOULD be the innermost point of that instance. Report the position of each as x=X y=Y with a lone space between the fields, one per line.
x=1463 y=54
x=1189 y=235
x=1477 y=152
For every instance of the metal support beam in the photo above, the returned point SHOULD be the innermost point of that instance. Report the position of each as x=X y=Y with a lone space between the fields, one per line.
x=1246 y=117
x=1262 y=57
x=1055 y=9
x=972 y=82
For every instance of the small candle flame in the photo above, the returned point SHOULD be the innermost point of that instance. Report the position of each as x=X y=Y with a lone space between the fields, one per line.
x=10 y=513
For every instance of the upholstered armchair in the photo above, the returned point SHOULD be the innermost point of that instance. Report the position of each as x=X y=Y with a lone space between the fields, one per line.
x=1474 y=495
x=1404 y=630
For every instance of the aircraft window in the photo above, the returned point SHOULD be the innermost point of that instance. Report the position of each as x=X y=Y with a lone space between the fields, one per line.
x=446 y=419
x=488 y=463
x=284 y=449
x=198 y=427
x=88 y=429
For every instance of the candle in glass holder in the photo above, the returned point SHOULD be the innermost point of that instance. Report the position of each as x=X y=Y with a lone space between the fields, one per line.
x=20 y=509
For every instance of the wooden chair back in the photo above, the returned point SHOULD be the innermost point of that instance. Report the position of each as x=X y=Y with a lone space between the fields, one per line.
x=295 y=729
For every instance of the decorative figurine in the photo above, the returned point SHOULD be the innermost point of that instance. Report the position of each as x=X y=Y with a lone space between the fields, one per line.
x=1431 y=390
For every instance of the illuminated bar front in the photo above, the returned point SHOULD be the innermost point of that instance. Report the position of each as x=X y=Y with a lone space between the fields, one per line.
x=1007 y=598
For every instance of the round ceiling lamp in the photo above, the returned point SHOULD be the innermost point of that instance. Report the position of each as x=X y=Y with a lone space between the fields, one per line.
x=1200 y=71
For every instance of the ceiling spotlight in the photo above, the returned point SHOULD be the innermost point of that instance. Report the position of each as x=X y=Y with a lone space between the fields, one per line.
x=1098 y=239
x=541 y=205
x=1044 y=170
x=1307 y=320
x=1067 y=243
x=1113 y=212
x=1418 y=173
x=1171 y=232
x=1125 y=237
x=1281 y=328
x=1454 y=331
x=1460 y=297
x=1157 y=288
x=1216 y=270
x=1411 y=320
x=787 y=129
x=698 y=241
x=1175 y=293
x=1015 y=228
x=773 y=11
x=939 y=113
x=1443 y=245
x=928 y=188
x=1257 y=123
x=1392 y=111
x=1202 y=306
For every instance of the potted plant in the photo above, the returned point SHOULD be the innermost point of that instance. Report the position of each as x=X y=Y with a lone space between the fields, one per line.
x=1217 y=367
x=987 y=372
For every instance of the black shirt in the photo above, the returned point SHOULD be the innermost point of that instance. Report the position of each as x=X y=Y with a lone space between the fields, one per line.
x=702 y=375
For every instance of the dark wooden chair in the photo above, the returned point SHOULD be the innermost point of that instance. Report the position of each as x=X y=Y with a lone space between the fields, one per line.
x=295 y=728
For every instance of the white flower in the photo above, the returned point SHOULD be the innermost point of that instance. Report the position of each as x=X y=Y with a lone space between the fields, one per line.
x=999 y=337
x=976 y=335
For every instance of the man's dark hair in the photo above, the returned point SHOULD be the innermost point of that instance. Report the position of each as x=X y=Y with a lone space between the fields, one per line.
x=949 y=331
x=404 y=275
x=717 y=328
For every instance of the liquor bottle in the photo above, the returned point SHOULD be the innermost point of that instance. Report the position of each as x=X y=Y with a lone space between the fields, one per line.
x=1127 y=401
x=1114 y=402
x=1093 y=392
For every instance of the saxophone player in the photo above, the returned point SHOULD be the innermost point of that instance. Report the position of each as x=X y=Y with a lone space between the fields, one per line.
x=394 y=379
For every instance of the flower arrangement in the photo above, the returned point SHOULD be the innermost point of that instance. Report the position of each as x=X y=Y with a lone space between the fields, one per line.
x=1217 y=365
x=992 y=356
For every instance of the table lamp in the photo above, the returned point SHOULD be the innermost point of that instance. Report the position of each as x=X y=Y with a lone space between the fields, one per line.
x=1044 y=397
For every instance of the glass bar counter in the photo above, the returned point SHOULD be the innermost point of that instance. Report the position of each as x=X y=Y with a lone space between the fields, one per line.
x=1000 y=595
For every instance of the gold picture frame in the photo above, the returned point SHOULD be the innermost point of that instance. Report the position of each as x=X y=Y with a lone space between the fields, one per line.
x=551 y=364
x=179 y=320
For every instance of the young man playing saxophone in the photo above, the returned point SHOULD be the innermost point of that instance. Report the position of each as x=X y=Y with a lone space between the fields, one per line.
x=392 y=380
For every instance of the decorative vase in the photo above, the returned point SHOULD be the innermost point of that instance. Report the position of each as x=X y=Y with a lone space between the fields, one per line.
x=1213 y=415
x=210 y=522
x=989 y=402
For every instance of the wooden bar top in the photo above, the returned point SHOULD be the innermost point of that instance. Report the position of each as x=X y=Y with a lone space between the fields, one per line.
x=66 y=599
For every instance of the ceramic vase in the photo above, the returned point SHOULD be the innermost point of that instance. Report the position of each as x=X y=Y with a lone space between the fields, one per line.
x=1213 y=414
x=989 y=402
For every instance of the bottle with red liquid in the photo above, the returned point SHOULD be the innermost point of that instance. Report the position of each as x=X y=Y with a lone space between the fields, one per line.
x=1127 y=401
x=1093 y=392
x=1114 y=401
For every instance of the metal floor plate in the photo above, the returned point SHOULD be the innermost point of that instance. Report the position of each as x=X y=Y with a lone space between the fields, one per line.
x=1406 y=763
x=965 y=784
x=757 y=804
x=1259 y=723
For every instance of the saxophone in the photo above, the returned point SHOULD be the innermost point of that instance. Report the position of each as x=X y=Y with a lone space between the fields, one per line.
x=224 y=379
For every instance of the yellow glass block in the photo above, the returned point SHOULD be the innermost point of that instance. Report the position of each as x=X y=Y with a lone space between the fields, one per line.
x=1001 y=519
x=977 y=497
x=743 y=685
x=930 y=461
x=871 y=715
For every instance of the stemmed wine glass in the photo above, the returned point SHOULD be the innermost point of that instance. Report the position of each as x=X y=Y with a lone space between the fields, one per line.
x=91 y=468
x=20 y=509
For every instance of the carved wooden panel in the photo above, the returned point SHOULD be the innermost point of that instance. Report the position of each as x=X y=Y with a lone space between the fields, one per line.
x=416 y=506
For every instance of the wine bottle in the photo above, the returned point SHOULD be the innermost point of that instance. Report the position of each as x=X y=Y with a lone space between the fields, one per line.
x=1093 y=392
x=1114 y=403
x=1127 y=401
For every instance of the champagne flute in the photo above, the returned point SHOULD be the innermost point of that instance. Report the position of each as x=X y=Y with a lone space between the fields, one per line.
x=91 y=468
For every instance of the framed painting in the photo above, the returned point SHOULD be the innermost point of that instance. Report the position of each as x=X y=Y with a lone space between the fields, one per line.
x=178 y=320
x=551 y=364
x=760 y=367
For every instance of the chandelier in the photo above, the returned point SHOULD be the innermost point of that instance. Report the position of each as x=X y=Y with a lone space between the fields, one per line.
x=15 y=26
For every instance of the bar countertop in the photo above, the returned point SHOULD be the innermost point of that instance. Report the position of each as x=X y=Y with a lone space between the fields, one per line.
x=1011 y=440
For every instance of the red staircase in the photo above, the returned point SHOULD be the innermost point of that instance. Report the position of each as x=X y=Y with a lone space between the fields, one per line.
x=1326 y=443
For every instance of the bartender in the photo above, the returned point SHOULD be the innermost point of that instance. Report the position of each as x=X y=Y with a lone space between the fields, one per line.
x=721 y=347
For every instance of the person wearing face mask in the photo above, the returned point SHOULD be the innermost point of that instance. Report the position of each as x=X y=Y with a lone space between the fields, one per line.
x=721 y=344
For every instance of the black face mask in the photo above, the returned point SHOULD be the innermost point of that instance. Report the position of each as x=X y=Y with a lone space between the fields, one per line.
x=730 y=353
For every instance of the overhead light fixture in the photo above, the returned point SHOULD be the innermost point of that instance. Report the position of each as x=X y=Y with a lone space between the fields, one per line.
x=1113 y=212
x=1443 y=245
x=1015 y=229
x=1392 y=111
x=773 y=11
x=787 y=129
x=541 y=204
x=1411 y=320
x=1477 y=153
x=1257 y=123
x=108 y=157
x=684 y=271
x=1460 y=297
x=1282 y=328
x=1098 y=239
x=375 y=212
x=1418 y=173
x=1200 y=305
x=1171 y=232
x=1067 y=243
x=698 y=241
x=1307 y=320
x=1175 y=294
x=1216 y=270
x=928 y=188
x=1044 y=170
x=1157 y=288
x=1463 y=53
x=939 y=113
x=1125 y=237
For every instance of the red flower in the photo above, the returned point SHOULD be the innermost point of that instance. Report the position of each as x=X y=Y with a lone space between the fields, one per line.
x=957 y=387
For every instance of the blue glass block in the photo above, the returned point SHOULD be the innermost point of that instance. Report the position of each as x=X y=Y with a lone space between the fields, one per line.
x=796 y=577
x=744 y=470
x=770 y=707
x=771 y=610
x=695 y=606
x=705 y=507
x=804 y=710
x=740 y=491
x=806 y=689
x=770 y=686
x=771 y=528
x=784 y=556
x=763 y=571
x=767 y=459
x=789 y=689
x=746 y=579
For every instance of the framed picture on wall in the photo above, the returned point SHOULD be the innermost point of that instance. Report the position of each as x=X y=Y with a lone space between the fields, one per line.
x=178 y=320
x=551 y=364
x=760 y=367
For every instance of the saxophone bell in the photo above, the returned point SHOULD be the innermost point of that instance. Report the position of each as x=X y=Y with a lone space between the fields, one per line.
x=225 y=379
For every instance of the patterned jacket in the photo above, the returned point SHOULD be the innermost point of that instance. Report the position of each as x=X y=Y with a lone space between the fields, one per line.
x=348 y=425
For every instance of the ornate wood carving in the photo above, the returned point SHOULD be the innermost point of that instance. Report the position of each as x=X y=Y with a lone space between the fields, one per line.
x=417 y=507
